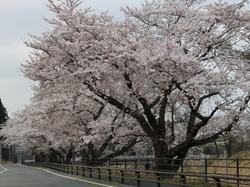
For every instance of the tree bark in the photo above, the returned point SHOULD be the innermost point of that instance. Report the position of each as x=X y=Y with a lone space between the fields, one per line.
x=54 y=156
x=160 y=153
x=164 y=160
x=69 y=156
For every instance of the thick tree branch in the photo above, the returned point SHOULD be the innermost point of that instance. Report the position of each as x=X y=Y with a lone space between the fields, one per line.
x=111 y=100
x=191 y=99
x=207 y=140
x=163 y=105
x=155 y=102
x=227 y=129
x=99 y=112
x=203 y=98
x=142 y=100
x=124 y=149
x=103 y=146
x=205 y=119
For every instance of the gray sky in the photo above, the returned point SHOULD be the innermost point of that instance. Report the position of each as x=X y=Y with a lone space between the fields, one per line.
x=17 y=19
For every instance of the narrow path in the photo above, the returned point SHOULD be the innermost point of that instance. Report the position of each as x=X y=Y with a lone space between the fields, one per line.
x=12 y=175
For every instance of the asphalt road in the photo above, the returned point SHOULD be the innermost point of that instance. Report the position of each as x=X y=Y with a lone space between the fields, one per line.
x=19 y=176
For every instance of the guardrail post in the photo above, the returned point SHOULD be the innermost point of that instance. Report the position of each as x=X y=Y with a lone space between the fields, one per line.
x=72 y=170
x=77 y=170
x=122 y=176
x=99 y=173
x=205 y=170
x=83 y=171
x=116 y=163
x=147 y=165
x=90 y=173
x=109 y=174
x=238 y=171
x=135 y=163
x=138 y=178
x=158 y=178
x=125 y=164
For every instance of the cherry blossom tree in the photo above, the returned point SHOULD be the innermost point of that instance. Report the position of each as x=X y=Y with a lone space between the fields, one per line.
x=161 y=66
x=57 y=129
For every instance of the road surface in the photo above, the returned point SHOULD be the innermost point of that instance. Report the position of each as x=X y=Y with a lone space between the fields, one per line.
x=20 y=176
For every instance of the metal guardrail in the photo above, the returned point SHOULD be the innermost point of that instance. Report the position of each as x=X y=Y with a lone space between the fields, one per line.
x=229 y=167
x=148 y=177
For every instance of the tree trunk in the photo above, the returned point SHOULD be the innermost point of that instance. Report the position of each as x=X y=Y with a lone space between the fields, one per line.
x=69 y=156
x=40 y=157
x=166 y=162
x=160 y=152
x=54 y=156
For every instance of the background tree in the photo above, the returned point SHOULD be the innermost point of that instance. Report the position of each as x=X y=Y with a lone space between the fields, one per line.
x=58 y=128
x=3 y=113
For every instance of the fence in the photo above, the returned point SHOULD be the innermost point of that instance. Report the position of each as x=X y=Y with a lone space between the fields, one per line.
x=149 y=178
x=229 y=167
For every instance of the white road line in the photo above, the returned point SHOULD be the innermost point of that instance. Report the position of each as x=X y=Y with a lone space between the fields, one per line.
x=4 y=169
x=72 y=178
x=67 y=177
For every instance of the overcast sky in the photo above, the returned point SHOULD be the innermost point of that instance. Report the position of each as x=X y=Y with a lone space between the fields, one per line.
x=17 y=19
